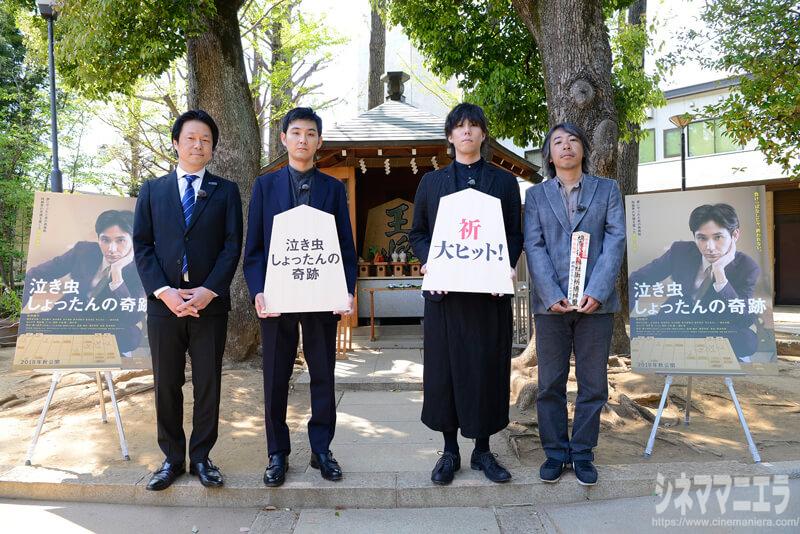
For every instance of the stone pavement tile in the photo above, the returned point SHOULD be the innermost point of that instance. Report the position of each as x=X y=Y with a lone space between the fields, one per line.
x=46 y=483
x=185 y=491
x=468 y=487
x=438 y=520
x=274 y=522
x=74 y=517
x=356 y=365
x=350 y=429
x=519 y=520
x=397 y=368
x=381 y=397
x=381 y=412
x=393 y=457
x=640 y=514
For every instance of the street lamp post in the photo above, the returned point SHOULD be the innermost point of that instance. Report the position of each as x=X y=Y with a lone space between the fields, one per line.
x=682 y=121
x=47 y=8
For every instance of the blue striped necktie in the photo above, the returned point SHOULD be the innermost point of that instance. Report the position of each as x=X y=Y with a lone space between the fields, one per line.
x=188 y=208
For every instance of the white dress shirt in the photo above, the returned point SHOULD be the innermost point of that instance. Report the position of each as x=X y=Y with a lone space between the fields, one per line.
x=182 y=185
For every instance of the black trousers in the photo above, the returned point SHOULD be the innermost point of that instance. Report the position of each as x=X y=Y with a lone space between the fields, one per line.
x=557 y=336
x=279 y=337
x=170 y=338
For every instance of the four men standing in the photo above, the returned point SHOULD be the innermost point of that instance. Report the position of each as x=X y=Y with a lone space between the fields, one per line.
x=187 y=240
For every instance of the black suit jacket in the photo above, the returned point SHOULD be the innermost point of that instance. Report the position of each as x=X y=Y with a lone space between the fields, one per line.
x=272 y=195
x=81 y=263
x=442 y=182
x=212 y=240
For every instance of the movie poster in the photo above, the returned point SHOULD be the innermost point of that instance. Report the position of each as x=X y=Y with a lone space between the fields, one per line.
x=700 y=282
x=83 y=304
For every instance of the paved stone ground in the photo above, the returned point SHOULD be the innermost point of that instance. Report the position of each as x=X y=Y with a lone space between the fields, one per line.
x=621 y=516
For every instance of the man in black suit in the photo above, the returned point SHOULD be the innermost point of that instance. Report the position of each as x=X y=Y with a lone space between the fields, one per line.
x=705 y=270
x=298 y=183
x=187 y=240
x=100 y=271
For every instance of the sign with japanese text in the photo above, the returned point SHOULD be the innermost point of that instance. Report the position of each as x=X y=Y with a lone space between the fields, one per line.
x=83 y=302
x=469 y=252
x=700 y=282
x=387 y=228
x=305 y=272
x=578 y=261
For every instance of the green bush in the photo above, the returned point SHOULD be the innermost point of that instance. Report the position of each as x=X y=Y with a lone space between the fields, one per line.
x=10 y=304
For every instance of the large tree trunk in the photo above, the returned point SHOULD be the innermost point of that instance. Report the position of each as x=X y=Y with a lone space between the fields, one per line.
x=627 y=172
x=377 y=60
x=572 y=39
x=280 y=97
x=217 y=84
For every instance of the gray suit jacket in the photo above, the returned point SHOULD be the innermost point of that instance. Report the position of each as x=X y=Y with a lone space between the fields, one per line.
x=548 y=236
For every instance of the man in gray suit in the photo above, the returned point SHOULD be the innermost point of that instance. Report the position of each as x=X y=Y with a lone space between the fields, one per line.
x=572 y=200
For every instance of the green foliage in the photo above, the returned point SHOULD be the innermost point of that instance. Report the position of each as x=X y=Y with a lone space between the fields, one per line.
x=760 y=40
x=284 y=49
x=634 y=89
x=23 y=155
x=128 y=40
x=10 y=304
x=495 y=58
x=485 y=45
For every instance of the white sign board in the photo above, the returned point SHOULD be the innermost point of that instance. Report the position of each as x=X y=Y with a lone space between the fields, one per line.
x=305 y=272
x=578 y=262
x=469 y=253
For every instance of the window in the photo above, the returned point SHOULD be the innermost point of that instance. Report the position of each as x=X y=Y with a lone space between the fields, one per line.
x=709 y=137
x=672 y=143
x=647 y=146
x=724 y=142
x=701 y=138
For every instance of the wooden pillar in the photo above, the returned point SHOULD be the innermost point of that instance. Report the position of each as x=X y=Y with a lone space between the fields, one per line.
x=348 y=176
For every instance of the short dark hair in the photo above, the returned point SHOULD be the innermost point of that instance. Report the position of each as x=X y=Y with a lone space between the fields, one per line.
x=301 y=114
x=466 y=112
x=572 y=129
x=196 y=115
x=722 y=214
x=121 y=218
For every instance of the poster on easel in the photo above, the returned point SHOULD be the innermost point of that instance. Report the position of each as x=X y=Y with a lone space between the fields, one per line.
x=700 y=282
x=84 y=306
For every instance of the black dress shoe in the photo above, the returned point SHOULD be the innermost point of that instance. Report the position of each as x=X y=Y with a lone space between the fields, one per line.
x=445 y=468
x=585 y=472
x=207 y=472
x=166 y=475
x=487 y=462
x=327 y=465
x=275 y=474
x=551 y=470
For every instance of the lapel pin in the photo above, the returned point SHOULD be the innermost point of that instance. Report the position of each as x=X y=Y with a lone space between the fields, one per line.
x=201 y=194
x=212 y=183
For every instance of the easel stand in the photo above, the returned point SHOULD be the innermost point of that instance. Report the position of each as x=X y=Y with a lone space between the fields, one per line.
x=728 y=382
x=109 y=383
